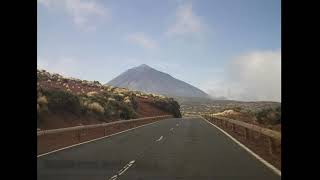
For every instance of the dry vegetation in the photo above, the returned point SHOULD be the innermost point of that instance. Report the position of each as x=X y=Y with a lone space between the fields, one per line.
x=265 y=114
x=81 y=98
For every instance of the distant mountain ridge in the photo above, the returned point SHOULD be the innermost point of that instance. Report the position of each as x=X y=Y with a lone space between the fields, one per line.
x=147 y=79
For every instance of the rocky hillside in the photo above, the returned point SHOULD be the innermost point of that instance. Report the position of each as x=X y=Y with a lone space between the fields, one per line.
x=64 y=102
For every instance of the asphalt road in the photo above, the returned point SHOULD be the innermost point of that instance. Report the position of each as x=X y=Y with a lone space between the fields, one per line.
x=185 y=148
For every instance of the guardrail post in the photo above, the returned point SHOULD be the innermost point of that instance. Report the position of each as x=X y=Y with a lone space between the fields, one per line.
x=232 y=127
x=246 y=133
x=79 y=135
x=271 y=145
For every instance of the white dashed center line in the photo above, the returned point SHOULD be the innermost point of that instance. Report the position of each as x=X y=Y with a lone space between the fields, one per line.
x=126 y=167
x=160 y=138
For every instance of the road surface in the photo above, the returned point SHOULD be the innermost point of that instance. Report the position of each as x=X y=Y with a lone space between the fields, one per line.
x=182 y=148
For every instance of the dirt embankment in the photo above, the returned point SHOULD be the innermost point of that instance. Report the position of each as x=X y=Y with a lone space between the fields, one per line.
x=65 y=102
x=66 y=119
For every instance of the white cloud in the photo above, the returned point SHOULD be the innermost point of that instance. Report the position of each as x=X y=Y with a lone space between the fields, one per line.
x=143 y=40
x=255 y=76
x=186 y=21
x=84 y=13
x=65 y=66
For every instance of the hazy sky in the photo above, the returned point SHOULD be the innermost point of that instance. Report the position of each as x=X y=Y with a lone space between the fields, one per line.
x=228 y=48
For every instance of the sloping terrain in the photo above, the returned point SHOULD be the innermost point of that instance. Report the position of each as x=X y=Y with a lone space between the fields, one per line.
x=146 y=79
x=65 y=102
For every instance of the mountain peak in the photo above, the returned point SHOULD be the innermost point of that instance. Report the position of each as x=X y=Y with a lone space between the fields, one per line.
x=144 y=78
x=143 y=66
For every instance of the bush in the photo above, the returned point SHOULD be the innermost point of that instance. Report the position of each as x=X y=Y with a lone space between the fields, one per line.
x=92 y=93
x=170 y=106
x=96 y=107
x=42 y=100
x=117 y=97
x=42 y=103
x=127 y=113
x=111 y=99
x=59 y=100
x=96 y=82
x=269 y=116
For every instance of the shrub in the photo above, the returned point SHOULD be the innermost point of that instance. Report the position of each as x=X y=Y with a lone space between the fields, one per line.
x=127 y=113
x=96 y=82
x=270 y=116
x=127 y=101
x=170 y=106
x=96 y=107
x=134 y=103
x=120 y=94
x=117 y=97
x=59 y=100
x=42 y=108
x=42 y=100
x=92 y=93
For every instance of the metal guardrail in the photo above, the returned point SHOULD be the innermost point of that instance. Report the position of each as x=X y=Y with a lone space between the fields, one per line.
x=252 y=127
x=271 y=135
x=50 y=140
x=55 y=131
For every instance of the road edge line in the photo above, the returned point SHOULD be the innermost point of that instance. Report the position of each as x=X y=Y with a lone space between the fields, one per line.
x=40 y=155
x=274 y=169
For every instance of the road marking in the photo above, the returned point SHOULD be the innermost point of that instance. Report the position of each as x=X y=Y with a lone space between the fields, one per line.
x=124 y=169
x=177 y=125
x=274 y=169
x=160 y=138
x=94 y=140
x=114 y=177
x=171 y=129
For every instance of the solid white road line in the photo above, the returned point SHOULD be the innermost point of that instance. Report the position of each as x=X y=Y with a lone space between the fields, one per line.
x=274 y=169
x=160 y=138
x=126 y=167
x=94 y=140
